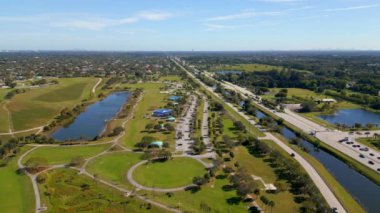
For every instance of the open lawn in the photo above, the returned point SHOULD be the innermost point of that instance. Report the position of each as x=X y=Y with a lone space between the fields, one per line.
x=65 y=191
x=64 y=154
x=228 y=127
x=211 y=195
x=3 y=92
x=16 y=192
x=114 y=166
x=38 y=106
x=135 y=127
x=169 y=174
x=4 y=121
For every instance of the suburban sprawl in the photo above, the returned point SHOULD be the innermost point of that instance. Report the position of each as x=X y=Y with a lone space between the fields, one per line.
x=190 y=131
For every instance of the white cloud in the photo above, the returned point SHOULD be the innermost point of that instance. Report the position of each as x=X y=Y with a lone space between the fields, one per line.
x=86 y=22
x=154 y=15
x=243 y=15
x=361 y=7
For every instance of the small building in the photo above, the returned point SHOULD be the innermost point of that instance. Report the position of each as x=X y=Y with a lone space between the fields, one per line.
x=162 y=112
x=158 y=144
x=326 y=100
x=174 y=98
x=171 y=118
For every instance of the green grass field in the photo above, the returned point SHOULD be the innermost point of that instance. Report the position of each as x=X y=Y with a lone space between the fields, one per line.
x=152 y=99
x=4 y=121
x=211 y=194
x=170 y=78
x=114 y=166
x=38 y=106
x=66 y=191
x=64 y=154
x=169 y=174
x=16 y=192
x=3 y=92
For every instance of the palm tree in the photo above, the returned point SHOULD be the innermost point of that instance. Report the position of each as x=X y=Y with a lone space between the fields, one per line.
x=271 y=204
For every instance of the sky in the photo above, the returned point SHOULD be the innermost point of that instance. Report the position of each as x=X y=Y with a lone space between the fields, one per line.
x=186 y=25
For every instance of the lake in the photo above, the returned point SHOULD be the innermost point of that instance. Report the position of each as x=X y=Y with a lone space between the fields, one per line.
x=352 y=116
x=225 y=72
x=90 y=123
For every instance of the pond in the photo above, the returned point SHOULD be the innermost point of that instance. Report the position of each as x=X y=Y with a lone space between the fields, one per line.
x=226 y=72
x=352 y=116
x=92 y=122
x=362 y=189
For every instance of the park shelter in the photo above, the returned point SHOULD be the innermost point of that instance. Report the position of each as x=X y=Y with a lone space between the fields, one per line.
x=157 y=143
x=162 y=112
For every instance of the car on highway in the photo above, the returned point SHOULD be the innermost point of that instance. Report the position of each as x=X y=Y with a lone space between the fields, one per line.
x=361 y=155
x=371 y=162
x=365 y=149
x=371 y=154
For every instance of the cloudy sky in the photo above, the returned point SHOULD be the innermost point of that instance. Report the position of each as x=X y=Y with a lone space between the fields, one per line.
x=189 y=24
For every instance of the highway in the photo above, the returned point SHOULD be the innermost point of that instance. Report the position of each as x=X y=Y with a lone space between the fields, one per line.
x=328 y=136
x=326 y=192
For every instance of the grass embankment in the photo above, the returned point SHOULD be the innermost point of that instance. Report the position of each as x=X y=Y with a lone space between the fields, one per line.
x=135 y=127
x=169 y=174
x=65 y=191
x=4 y=118
x=114 y=166
x=64 y=154
x=16 y=194
x=374 y=143
x=40 y=105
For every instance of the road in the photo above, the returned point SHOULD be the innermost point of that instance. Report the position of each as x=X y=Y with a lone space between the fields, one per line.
x=327 y=136
x=326 y=192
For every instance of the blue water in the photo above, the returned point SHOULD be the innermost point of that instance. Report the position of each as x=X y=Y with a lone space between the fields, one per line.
x=259 y=114
x=362 y=189
x=91 y=122
x=352 y=116
x=225 y=72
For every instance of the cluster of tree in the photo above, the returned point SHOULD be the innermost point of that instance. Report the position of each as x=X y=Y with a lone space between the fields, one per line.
x=249 y=108
x=243 y=182
x=157 y=155
x=158 y=127
x=14 y=92
x=9 y=148
x=363 y=99
x=146 y=142
x=116 y=131
x=198 y=146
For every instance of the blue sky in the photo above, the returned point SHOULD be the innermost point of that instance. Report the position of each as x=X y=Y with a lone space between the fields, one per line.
x=189 y=24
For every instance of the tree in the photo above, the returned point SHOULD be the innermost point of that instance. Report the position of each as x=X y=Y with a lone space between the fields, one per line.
x=149 y=127
x=238 y=125
x=77 y=161
x=36 y=163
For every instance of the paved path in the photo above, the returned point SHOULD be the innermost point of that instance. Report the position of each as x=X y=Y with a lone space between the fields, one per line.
x=96 y=85
x=326 y=192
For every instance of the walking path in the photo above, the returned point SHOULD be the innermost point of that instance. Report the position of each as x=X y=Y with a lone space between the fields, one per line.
x=326 y=192
x=96 y=85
